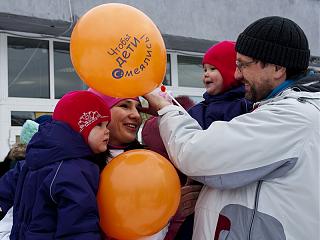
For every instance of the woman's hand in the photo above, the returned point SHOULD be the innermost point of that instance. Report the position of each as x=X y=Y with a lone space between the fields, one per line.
x=189 y=196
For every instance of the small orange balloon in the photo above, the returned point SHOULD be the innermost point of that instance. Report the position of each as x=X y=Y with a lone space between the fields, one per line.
x=117 y=50
x=139 y=192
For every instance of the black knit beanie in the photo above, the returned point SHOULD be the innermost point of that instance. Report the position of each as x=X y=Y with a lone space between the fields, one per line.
x=275 y=40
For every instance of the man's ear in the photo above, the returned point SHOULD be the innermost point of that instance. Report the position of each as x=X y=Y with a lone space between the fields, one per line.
x=280 y=72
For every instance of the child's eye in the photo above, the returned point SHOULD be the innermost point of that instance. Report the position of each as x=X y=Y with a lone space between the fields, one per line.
x=211 y=69
x=124 y=106
x=99 y=124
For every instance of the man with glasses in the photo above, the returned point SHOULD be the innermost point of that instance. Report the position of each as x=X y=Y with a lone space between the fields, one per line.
x=262 y=168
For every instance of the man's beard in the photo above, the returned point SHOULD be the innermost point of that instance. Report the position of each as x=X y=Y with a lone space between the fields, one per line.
x=250 y=92
x=255 y=94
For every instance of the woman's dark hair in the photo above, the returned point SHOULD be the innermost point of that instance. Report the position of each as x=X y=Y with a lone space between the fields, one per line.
x=100 y=159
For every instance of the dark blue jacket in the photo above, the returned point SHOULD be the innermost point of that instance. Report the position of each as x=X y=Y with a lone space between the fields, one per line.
x=221 y=107
x=56 y=188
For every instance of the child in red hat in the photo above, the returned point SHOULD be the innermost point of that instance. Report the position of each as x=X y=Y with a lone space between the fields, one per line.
x=224 y=96
x=55 y=193
x=223 y=99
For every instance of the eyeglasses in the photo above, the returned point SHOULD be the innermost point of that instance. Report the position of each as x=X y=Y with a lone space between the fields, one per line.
x=242 y=65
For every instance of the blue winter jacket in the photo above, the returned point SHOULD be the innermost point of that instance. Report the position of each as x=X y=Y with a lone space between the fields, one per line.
x=221 y=107
x=56 y=188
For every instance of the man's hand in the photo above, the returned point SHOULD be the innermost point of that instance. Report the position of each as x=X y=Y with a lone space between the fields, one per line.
x=156 y=102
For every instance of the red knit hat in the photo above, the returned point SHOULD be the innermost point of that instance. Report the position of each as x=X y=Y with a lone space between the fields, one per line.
x=81 y=110
x=223 y=57
x=111 y=101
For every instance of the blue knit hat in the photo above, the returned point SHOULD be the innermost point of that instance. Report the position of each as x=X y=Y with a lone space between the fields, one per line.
x=29 y=128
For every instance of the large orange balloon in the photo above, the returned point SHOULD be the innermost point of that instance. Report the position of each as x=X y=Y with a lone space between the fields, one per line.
x=139 y=192
x=117 y=50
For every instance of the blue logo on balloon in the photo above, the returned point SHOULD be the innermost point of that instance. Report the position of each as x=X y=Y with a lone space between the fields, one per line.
x=117 y=73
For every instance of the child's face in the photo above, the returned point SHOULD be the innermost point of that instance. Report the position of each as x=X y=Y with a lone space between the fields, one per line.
x=99 y=137
x=212 y=79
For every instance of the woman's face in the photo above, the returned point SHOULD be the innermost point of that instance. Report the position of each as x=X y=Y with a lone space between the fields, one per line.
x=125 y=122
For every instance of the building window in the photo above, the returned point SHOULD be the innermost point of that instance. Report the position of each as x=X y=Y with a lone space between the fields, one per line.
x=65 y=77
x=42 y=68
x=18 y=118
x=167 y=78
x=28 y=68
x=190 y=71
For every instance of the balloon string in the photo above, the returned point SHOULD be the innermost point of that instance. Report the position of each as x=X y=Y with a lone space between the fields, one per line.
x=163 y=89
x=174 y=100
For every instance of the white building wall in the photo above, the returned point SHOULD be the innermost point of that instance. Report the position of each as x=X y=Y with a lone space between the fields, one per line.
x=204 y=19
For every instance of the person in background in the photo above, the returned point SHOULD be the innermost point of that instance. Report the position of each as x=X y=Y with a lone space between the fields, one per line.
x=16 y=153
x=261 y=169
x=54 y=195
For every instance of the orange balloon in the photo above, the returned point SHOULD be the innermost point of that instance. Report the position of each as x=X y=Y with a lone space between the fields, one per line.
x=117 y=50
x=139 y=192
